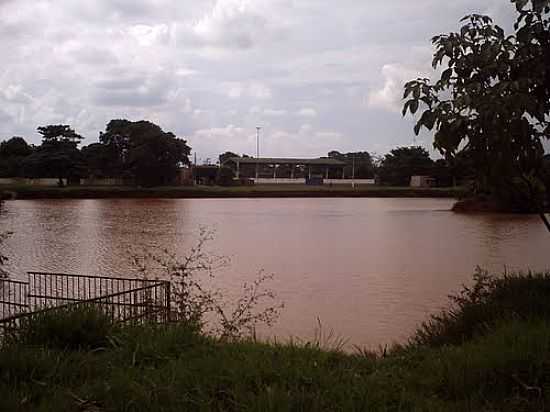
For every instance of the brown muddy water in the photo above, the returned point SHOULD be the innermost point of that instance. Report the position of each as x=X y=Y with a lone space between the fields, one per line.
x=369 y=269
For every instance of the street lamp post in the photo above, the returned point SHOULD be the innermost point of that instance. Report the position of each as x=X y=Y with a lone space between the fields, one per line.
x=258 y=128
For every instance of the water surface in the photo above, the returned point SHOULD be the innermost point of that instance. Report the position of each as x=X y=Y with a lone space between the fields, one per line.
x=369 y=269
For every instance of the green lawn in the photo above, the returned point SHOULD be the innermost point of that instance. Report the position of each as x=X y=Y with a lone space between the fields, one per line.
x=491 y=352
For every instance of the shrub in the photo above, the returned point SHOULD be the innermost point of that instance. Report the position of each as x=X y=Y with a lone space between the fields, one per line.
x=225 y=176
x=478 y=308
x=196 y=303
x=72 y=328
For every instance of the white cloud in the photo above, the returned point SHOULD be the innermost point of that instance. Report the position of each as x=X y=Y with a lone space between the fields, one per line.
x=307 y=112
x=259 y=90
x=274 y=112
x=389 y=97
x=253 y=89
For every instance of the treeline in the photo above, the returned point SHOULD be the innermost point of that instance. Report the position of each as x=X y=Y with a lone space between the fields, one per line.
x=137 y=152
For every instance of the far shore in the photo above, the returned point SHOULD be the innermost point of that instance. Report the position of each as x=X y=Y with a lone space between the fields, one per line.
x=198 y=192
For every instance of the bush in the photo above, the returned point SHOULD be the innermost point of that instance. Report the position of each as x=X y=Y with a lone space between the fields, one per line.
x=72 y=328
x=477 y=309
x=225 y=176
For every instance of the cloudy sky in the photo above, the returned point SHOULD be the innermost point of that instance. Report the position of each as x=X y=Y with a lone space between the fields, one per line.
x=317 y=75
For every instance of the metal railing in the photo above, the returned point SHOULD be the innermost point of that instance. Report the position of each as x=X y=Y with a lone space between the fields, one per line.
x=123 y=299
x=13 y=298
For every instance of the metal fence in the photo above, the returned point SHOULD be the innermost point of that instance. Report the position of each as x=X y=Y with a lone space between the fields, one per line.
x=123 y=299
x=13 y=298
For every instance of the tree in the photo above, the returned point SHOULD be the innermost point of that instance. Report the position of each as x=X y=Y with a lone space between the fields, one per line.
x=358 y=164
x=12 y=154
x=225 y=176
x=101 y=160
x=224 y=157
x=144 y=151
x=16 y=146
x=492 y=100
x=401 y=163
x=58 y=133
x=58 y=155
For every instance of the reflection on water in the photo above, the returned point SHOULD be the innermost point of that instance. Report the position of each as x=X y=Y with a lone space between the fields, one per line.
x=370 y=269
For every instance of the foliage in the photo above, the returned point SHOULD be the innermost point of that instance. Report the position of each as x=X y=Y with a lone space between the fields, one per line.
x=74 y=328
x=144 y=151
x=172 y=369
x=224 y=157
x=493 y=100
x=401 y=163
x=58 y=133
x=478 y=308
x=225 y=176
x=16 y=146
x=58 y=156
x=12 y=154
x=102 y=161
x=358 y=164
x=198 y=304
x=60 y=160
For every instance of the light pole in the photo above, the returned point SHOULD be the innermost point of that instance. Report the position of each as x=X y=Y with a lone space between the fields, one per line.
x=258 y=128
x=353 y=172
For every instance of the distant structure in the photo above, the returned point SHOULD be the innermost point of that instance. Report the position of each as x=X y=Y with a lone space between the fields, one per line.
x=422 y=181
x=270 y=167
x=266 y=170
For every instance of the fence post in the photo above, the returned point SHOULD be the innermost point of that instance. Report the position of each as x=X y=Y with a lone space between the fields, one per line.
x=168 y=302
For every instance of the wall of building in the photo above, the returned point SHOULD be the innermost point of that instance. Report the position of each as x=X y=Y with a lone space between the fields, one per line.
x=102 y=182
x=30 y=182
x=284 y=181
x=422 y=181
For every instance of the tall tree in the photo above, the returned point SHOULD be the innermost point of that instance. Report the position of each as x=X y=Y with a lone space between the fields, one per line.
x=146 y=152
x=403 y=162
x=102 y=161
x=58 y=156
x=12 y=154
x=58 y=133
x=224 y=157
x=358 y=164
x=492 y=100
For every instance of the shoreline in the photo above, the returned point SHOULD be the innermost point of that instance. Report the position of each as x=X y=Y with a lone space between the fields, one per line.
x=217 y=192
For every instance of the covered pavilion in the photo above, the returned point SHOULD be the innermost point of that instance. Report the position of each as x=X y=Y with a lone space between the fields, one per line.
x=306 y=166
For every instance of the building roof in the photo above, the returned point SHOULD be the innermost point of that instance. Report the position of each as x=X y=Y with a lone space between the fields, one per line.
x=322 y=161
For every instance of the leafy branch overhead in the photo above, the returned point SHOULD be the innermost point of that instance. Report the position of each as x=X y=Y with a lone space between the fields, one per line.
x=492 y=99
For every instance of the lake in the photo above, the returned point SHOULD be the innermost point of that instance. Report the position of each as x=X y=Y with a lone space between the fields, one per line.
x=367 y=269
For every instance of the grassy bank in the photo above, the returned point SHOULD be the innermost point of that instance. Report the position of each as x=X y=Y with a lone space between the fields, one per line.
x=489 y=352
x=82 y=192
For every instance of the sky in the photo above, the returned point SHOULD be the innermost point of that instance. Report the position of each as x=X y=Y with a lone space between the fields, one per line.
x=316 y=75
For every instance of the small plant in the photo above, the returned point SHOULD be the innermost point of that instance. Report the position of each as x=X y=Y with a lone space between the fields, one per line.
x=204 y=307
x=72 y=328
x=477 y=309
x=3 y=258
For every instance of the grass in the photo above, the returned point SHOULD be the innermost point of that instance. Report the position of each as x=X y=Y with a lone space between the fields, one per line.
x=288 y=190
x=503 y=365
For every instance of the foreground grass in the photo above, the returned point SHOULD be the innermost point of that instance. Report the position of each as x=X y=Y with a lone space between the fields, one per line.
x=172 y=370
x=500 y=361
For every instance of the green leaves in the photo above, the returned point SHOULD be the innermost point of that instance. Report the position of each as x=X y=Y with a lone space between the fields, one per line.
x=520 y=4
x=413 y=107
x=490 y=84
x=446 y=75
